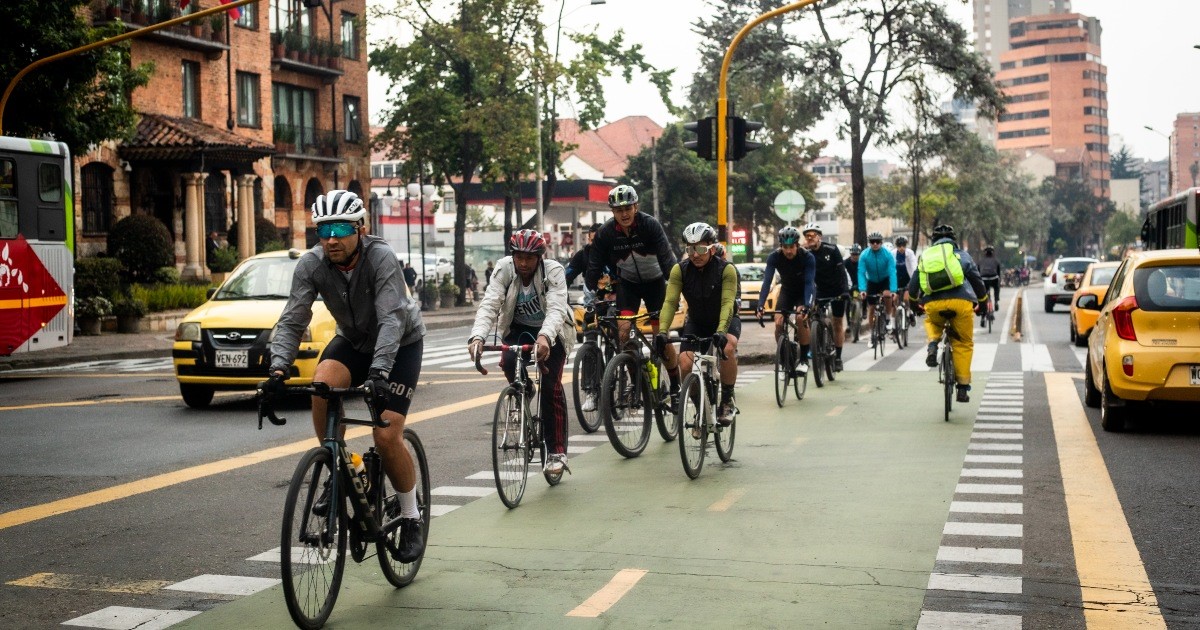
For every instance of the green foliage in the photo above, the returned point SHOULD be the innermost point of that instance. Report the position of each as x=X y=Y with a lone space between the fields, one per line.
x=82 y=100
x=168 y=297
x=265 y=233
x=1076 y=215
x=224 y=259
x=166 y=275
x=1120 y=232
x=273 y=246
x=92 y=307
x=130 y=307
x=97 y=277
x=142 y=244
x=1122 y=164
x=447 y=287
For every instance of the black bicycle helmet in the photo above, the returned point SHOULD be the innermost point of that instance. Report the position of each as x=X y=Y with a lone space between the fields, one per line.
x=788 y=235
x=901 y=241
x=943 y=231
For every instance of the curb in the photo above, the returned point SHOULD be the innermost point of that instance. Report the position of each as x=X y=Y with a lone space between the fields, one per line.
x=41 y=362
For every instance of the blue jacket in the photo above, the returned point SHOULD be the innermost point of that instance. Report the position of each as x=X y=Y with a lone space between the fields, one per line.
x=874 y=265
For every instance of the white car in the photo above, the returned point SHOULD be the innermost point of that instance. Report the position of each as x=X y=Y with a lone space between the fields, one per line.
x=435 y=267
x=1062 y=279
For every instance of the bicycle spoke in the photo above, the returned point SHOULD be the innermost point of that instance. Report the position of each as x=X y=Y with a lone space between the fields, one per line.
x=692 y=423
x=313 y=544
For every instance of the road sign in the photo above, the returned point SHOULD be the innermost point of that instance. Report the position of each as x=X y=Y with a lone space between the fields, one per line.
x=789 y=205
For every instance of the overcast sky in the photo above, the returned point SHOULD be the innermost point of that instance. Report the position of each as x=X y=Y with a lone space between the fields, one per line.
x=1146 y=45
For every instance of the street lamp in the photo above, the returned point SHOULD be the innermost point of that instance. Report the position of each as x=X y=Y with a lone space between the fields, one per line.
x=537 y=105
x=421 y=193
x=1170 y=170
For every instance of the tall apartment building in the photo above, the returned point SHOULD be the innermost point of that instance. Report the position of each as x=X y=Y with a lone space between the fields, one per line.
x=244 y=117
x=992 y=18
x=1057 y=95
x=1185 y=152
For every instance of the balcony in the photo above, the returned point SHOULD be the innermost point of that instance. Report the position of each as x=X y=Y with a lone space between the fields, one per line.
x=291 y=50
x=206 y=35
x=297 y=142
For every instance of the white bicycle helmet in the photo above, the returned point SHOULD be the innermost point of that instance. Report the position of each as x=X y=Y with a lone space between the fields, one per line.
x=699 y=232
x=623 y=195
x=813 y=227
x=338 y=205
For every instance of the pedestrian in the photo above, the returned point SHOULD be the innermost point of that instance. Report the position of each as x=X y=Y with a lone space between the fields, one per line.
x=410 y=278
x=487 y=274
x=211 y=245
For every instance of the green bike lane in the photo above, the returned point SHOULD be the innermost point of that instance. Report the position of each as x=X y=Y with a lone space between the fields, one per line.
x=831 y=513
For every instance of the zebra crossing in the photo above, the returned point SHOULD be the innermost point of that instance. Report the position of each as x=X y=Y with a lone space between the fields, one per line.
x=986 y=357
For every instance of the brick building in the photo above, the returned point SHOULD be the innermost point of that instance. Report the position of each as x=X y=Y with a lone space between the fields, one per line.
x=1057 y=95
x=1185 y=152
x=244 y=117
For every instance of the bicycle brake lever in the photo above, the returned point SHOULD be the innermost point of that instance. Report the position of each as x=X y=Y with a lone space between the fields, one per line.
x=265 y=411
x=479 y=366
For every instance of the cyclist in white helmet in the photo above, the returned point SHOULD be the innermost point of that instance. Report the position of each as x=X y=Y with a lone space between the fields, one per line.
x=379 y=339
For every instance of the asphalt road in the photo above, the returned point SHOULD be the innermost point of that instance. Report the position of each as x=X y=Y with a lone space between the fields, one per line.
x=119 y=505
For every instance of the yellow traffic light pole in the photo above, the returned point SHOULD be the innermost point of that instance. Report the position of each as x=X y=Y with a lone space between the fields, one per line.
x=107 y=41
x=723 y=113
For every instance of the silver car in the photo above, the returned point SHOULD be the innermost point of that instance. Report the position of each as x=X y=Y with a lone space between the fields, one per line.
x=1063 y=278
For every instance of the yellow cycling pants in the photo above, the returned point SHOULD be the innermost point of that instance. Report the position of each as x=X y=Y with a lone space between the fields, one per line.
x=962 y=323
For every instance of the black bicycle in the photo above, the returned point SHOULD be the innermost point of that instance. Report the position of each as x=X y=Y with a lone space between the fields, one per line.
x=904 y=321
x=788 y=369
x=824 y=352
x=879 y=326
x=854 y=318
x=599 y=345
x=330 y=507
x=946 y=375
x=517 y=428
x=634 y=388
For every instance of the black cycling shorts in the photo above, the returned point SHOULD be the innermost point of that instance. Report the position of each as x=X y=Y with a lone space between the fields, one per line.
x=403 y=376
x=630 y=296
x=837 y=308
x=704 y=332
x=875 y=288
x=787 y=301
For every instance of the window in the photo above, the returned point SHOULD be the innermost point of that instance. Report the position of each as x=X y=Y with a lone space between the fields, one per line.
x=295 y=115
x=1100 y=129
x=8 y=199
x=50 y=183
x=351 y=119
x=349 y=36
x=1037 y=78
x=1092 y=75
x=1096 y=146
x=1040 y=113
x=191 y=89
x=1008 y=65
x=248 y=99
x=1024 y=133
x=249 y=16
x=1094 y=93
x=1025 y=98
x=97 y=197
x=1095 y=111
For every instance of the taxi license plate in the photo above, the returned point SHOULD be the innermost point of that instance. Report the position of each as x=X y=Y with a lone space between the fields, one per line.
x=1196 y=375
x=241 y=359
x=745 y=304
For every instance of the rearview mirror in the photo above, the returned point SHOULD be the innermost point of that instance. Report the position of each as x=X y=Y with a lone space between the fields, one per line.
x=1088 y=302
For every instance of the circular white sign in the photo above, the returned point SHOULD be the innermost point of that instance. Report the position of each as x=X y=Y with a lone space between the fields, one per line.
x=789 y=205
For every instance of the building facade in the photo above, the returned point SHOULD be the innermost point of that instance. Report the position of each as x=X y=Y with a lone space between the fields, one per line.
x=1057 y=94
x=247 y=115
x=1185 y=152
x=991 y=19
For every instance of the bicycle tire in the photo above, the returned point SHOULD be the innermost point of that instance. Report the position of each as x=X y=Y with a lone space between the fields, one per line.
x=692 y=423
x=990 y=318
x=948 y=376
x=310 y=582
x=401 y=574
x=723 y=439
x=817 y=362
x=510 y=449
x=664 y=417
x=830 y=350
x=783 y=370
x=623 y=398
x=901 y=328
x=854 y=316
x=879 y=333
x=588 y=373
x=799 y=380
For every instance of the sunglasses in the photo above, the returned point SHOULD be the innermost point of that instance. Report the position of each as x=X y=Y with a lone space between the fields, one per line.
x=697 y=250
x=875 y=242
x=338 y=229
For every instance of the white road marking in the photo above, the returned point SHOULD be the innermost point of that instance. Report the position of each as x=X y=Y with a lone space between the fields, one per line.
x=126 y=618
x=988 y=488
x=998 y=530
x=224 y=584
x=1001 y=473
x=978 y=507
x=935 y=620
x=462 y=491
x=975 y=583
x=979 y=554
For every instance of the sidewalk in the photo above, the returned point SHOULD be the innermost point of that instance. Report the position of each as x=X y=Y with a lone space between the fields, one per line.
x=151 y=344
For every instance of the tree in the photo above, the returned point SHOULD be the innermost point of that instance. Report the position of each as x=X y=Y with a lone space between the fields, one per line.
x=1119 y=233
x=1122 y=164
x=81 y=101
x=889 y=42
x=687 y=184
x=1076 y=215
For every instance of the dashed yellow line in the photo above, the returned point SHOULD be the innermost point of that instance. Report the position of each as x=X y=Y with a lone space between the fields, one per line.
x=1116 y=590
x=728 y=500
x=836 y=411
x=603 y=599
x=69 y=582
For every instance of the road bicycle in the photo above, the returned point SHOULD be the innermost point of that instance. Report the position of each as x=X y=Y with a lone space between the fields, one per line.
x=788 y=368
x=823 y=350
x=904 y=321
x=695 y=419
x=988 y=317
x=600 y=342
x=329 y=508
x=879 y=327
x=634 y=389
x=517 y=427
x=946 y=374
x=854 y=318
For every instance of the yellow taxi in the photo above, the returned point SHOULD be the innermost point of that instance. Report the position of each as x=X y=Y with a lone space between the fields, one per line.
x=1145 y=346
x=1090 y=292
x=223 y=343
x=751 y=276
x=643 y=325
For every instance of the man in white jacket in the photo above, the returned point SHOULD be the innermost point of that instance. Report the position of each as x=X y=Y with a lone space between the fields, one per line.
x=526 y=302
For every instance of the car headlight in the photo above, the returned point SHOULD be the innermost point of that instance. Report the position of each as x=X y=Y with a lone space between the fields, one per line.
x=188 y=331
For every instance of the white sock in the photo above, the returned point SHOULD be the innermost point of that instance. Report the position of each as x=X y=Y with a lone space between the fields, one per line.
x=408 y=504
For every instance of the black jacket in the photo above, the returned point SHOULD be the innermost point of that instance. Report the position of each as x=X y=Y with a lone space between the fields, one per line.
x=642 y=255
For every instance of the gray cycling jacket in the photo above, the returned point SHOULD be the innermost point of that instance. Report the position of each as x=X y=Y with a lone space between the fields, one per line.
x=372 y=309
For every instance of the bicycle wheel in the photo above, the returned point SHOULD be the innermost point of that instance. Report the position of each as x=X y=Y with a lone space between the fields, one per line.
x=948 y=376
x=723 y=439
x=901 y=328
x=312 y=553
x=854 y=317
x=991 y=317
x=401 y=574
x=510 y=449
x=799 y=380
x=783 y=369
x=692 y=420
x=879 y=335
x=664 y=417
x=623 y=405
x=830 y=351
x=817 y=363
x=589 y=371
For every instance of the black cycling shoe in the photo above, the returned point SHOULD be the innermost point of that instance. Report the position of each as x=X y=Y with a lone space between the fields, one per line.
x=931 y=357
x=411 y=545
x=320 y=507
x=963 y=394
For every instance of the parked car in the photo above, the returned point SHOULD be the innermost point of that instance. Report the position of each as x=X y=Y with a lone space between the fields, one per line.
x=1091 y=291
x=435 y=266
x=1061 y=280
x=1145 y=346
x=751 y=275
x=223 y=343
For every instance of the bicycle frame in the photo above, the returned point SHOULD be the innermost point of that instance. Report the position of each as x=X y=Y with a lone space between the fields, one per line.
x=652 y=356
x=521 y=380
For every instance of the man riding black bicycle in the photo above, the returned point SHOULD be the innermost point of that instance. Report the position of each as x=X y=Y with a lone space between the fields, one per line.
x=948 y=286
x=527 y=302
x=379 y=339
x=990 y=270
x=832 y=283
x=797 y=272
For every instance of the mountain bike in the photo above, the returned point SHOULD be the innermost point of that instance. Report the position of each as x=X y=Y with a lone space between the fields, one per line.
x=879 y=327
x=824 y=353
x=634 y=388
x=600 y=341
x=946 y=374
x=787 y=359
x=517 y=428
x=330 y=507
x=695 y=419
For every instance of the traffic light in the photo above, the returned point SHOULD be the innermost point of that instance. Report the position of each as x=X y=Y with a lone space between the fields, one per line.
x=703 y=145
x=739 y=146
